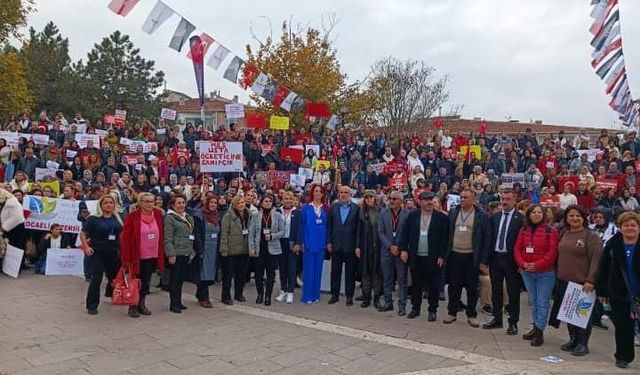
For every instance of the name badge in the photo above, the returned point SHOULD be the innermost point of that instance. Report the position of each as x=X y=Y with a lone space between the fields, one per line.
x=266 y=231
x=245 y=232
x=318 y=221
x=192 y=237
x=424 y=232
x=529 y=250
x=394 y=234
x=463 y=228
x=214 y=235
x=112 y=237
x=151 y=236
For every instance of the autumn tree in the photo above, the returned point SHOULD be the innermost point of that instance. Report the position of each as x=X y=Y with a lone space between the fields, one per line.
x=13 y=16
x=14 y=94
x=117 y=77
x=410 y=91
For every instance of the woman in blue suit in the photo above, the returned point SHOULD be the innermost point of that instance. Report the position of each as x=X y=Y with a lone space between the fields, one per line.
x=314 y=241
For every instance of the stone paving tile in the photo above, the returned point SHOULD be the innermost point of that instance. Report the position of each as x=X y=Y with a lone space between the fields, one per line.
x=159 y=368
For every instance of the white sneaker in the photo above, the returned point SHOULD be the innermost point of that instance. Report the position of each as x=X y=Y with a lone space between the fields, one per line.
x=281 y=296
x=289 y=297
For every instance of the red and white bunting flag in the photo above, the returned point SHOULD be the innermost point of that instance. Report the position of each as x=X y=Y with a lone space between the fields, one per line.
x=205 y=42
x=600 y=55
x=599 y=22
x=613 y=74
x=122 y=7
x=599 y=8
x=616 y=80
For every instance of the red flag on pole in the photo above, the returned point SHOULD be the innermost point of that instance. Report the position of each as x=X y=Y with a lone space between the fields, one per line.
x=295 y=153
x=122 y=7
x=249 y=75
x=483 y=128
x=281 y=94
x=437 y=123
x=319 y=109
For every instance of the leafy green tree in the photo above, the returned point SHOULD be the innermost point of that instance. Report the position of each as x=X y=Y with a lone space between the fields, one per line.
x=45 y=57
x=117 y=77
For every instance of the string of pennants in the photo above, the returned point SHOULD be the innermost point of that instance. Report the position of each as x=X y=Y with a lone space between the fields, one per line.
x=608 y=58
x=236 y=69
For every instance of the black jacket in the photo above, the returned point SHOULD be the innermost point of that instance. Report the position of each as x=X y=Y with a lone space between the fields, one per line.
x=515 y=223
x=612 y=280
x=481 y=232
x=343 y=236
x=438 y=235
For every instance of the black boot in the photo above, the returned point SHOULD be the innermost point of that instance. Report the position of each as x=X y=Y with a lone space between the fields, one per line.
x=260 y=299
x=495 y=323
x=529 y=335
x=267 y=300
x=571 y=344
x=142 y=307
x=366 y=302
x=513 y=328
x=376 y=301
x=133 y=312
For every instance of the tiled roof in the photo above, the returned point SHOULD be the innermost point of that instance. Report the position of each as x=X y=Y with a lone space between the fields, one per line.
x=468 y=125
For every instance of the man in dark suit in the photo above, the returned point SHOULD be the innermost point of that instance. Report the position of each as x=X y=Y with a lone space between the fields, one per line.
x=423 y=243
x=498 y=256
x=342 y=227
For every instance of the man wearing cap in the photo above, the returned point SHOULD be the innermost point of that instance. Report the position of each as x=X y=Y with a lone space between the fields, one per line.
x=342 y=229
x=423 y=242
x=469 y=235
x=390 y=226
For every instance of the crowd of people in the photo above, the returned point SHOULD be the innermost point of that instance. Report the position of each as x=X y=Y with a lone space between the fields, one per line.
x=438 y=213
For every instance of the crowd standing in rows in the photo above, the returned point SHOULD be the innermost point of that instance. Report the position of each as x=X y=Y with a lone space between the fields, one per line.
x=437 y=213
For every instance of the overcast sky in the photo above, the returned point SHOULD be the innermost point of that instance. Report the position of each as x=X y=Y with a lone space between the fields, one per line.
x=527 y=60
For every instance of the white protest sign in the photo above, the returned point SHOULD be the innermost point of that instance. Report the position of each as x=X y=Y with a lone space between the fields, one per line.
x=315 y=148
x=576 y=305
x=12 y=261
x=452 y=200
x=12 y=138
x=591 y=153
x=40 y=139
x=45 y=211
x=52 y=165
x=83 y=139
x=71 y=154
x=378 y=168
x=508 y=179
x=42 y=173
x=64 y=262
x=220 y=156
x=297 y=179
x=306 y=172
x=101 y=133
x=168 y=114
x=234 y=110
x=121 y=114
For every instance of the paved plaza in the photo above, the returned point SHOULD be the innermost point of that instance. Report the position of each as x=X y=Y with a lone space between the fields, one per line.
x=44 y=329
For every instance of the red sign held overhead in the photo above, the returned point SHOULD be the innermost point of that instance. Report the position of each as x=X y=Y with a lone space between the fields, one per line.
x=109 y=119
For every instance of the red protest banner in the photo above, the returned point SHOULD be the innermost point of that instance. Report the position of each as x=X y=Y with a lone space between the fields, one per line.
x=607 y=183
x=109 y=119
x=296 y=154
x=319 y=109
x=449 y=152
x=255 y=120
x=398 y=182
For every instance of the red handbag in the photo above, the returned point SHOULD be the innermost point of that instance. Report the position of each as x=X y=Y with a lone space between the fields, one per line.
x=126 y=288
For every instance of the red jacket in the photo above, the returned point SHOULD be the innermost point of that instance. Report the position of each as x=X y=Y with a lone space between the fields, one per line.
x=130 y=240
x=545 y=247
x=587 y=200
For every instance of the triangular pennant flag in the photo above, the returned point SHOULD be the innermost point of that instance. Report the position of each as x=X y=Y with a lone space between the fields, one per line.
x=122 y=7
x=270 y=89
x=613 y=74
x=281 y=94
x=622 y=86
x=180 y=36
x=606 y=67
x=333 y=122
x=617 y=44
x=205 y=42
x=159 y=14
x=249 y=75
x=218 y=55
x=288 y=101
x=259 y=83
x=232 y=71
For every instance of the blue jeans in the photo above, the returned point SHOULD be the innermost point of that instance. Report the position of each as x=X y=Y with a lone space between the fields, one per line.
x=540 y=288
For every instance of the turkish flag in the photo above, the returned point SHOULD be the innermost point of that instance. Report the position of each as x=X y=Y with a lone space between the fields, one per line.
x=255 y=120
x=249 y=75
x=438 y=123
x=281 y=94
x=319 y=109
x=205 y=42
x=122 y=7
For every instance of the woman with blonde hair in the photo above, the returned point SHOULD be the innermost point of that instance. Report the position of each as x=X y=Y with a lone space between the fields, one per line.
x=234 y=249
x=99 y=238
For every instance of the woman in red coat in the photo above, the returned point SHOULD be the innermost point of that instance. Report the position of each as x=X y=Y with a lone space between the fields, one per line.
x=536 y=252
x=585 y=197
x=141 y=247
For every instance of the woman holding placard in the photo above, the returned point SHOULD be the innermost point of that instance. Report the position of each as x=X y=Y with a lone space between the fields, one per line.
x=619 y=284
x=99 y=238
x=142 y=247
x=579 y=252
